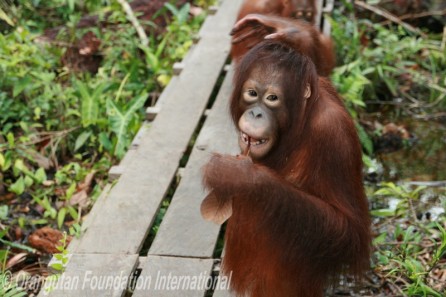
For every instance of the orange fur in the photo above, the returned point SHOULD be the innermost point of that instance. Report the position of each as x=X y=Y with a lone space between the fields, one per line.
x=299 y=215
x=299 y=14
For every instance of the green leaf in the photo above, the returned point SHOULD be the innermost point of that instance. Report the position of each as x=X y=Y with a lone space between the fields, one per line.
x=37 y=113
x=18 y=187
x=162 y=45
x=380 y=238
x=28 y=181
x=153 y=61
x=2 y=161
x=3 y=256
x=163 y=79
x=366 y=141
x=21 y=85
x=4 y=210
x=172 y=8
x=8 y=161
x=75 y=230
x=382 y=212
x=73 y=212
x=383 y=259
x=40 y=175
x=15 y=292
x=59 y=256
x=71 y=4
x=119 y=121
x=441 y=251
x=90 y=101
x=183 y=13
x=105 y=141
x=81 y=139
x=22 y=222
x=19 y=167
x=70 y=191
x=38 y=222
x=17 y=246
x=11 y=140
x=61 y=217
x=4 y=16
x=57 y=266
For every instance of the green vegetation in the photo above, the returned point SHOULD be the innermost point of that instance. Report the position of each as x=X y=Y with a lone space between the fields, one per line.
x=409 y=252
x=388 y=73
x=381 y=63
x=63 y=126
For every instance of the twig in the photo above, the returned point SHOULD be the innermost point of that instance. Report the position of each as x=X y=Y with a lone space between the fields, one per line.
x=412 y=209
x=131 y=16
x=420 y=15
x=391 y=17
x=443 y=41
x=420 y=244
x=43 y=136
x=431 y=116
x=433 y=183
x=394 y=287
x=382 y=102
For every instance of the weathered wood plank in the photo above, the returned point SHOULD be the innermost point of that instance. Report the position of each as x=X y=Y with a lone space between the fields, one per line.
x=152 y=111
x=173 y=276
x=133 y=202
x=95 y=211
x=183 y=232
x=94 y=275
x=319 y=5
x=116 y=171
x=326 y=26
x=222 y=289
x=222 y=293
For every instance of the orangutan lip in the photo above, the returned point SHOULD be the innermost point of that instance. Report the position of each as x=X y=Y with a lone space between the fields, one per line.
x=250 y=140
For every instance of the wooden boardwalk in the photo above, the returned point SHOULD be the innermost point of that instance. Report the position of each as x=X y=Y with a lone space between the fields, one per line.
x=115 y=246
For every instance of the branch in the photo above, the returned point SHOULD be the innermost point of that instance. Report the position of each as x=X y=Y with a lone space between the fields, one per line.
x=391 y=17
x=131 y=16
x=443 y=40
x=422 y=14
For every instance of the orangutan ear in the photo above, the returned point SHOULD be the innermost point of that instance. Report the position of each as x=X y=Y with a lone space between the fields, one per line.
x=307 y=93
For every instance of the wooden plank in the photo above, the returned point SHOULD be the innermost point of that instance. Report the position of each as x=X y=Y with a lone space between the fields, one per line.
x=319 y=5
x=116 y=171
x=183 y=232
x=95 y=211
x=94 y=275
x=133 y=202
x=222 y=293
x=221 y=289
x=328 y=9
x=152 y=111
x=173 y=276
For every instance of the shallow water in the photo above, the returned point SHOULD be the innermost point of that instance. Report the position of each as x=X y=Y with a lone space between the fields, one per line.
x=424 y=159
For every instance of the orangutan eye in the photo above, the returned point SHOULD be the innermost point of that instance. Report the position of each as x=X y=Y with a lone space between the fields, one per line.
x=272 y=98
x=252 y=93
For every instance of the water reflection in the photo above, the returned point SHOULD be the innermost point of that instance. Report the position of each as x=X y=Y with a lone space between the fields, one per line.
x=423 y=160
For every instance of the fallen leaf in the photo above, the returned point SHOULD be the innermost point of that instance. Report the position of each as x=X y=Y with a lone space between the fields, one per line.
x=80 y=198
x=16 y=259
x=46 y=240
x=86 y=184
